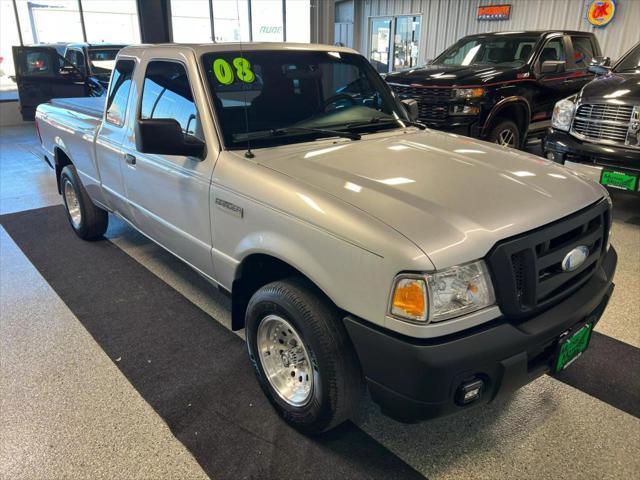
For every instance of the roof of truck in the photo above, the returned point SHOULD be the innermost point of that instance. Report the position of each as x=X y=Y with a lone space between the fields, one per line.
x=201 y=48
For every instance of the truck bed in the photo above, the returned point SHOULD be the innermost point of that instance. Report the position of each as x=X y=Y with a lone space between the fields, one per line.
x=91 y=106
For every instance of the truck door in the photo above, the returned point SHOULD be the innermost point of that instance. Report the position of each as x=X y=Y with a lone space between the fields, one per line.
x=42 y=74
x=109 y=151
x=553 y=85
x=169 y=194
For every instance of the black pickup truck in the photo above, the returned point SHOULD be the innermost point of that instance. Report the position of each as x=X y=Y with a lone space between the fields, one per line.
x=597 y=131
x=61 y=70
x=502 y=86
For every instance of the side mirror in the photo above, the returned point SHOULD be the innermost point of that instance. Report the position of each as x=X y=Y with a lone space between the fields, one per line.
x=553 y=66
x=600 y=65
x=411 y=107
x=164 y=136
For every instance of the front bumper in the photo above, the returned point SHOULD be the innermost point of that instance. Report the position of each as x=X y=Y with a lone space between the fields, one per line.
x=418 y=379
x=590 y=158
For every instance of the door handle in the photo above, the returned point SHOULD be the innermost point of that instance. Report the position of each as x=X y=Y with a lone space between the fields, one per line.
x=130 y=159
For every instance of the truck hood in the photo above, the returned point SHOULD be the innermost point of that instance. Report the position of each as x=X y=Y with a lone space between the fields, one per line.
x=452 y=75
x=452 y=196
x=615 y=88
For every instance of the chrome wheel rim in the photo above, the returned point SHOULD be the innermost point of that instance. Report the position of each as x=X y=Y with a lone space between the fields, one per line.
x=506 y=138
x=71 y=201
x=285 y=360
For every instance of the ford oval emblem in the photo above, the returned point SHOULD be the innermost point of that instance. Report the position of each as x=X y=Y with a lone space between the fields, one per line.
x=575 y=258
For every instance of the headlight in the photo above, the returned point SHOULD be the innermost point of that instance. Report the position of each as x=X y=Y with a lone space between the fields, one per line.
x=563 y=114
x=467 y=92
x=442 y=295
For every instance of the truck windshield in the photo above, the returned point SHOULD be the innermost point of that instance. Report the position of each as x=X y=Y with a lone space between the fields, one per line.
x=630 y=63
x=102 y=60
x=494 y=50
x=288 y=96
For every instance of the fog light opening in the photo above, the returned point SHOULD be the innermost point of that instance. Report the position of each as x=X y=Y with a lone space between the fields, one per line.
x=469 y=391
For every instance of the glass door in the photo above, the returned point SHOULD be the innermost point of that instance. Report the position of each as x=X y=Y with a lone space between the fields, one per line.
x=406 y=42
x=380 y=44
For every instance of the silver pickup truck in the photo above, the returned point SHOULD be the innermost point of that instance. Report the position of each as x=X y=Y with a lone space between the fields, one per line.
x=359 y=248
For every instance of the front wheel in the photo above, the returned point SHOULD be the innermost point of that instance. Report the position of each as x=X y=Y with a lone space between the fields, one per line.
x=505 y=133
x=302 y=355
x=88 y=221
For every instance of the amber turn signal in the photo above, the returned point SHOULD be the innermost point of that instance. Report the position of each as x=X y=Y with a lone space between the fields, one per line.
x=410 y=299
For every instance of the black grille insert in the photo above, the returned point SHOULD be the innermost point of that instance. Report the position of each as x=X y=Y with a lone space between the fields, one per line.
x=527 y=269
x=433 y=103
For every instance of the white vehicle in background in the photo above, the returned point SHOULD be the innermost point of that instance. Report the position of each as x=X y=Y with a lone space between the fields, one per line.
x=358 y=247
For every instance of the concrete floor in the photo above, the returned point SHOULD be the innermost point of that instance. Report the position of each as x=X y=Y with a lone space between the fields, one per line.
x=67 y=411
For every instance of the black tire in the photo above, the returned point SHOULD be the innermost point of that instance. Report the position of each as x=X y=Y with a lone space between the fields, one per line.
x=93 y=221
x=504 y=127
x=338 y=382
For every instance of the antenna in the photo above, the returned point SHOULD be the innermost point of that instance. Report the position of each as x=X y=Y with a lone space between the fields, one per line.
x=248 y=153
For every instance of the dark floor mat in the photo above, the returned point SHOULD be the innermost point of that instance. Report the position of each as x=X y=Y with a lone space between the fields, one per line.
x=189 y=368
x=610 y=371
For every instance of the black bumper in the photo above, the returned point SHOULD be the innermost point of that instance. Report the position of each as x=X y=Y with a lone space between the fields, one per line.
x=415 y=379
x=567 y=147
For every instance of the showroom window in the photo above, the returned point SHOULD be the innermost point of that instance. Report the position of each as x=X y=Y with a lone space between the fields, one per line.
x=118 y=95
x=41 y=21
x=167 y=93
x=394 y=42
x=298 y=21
x=266 y=21
x=231 y=20
x=191 y=21
x=111 y=21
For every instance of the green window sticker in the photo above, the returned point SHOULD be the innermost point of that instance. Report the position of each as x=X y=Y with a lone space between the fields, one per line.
x=222 y=71
x=225 y=75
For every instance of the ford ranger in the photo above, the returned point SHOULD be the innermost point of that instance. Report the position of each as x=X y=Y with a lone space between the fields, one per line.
x=358 y=248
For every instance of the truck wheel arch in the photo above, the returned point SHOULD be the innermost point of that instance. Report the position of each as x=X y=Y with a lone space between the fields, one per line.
x=61 y=160
x=514 y=108
x=255 y=271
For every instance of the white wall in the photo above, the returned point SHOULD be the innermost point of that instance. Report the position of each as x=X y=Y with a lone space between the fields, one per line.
x=445 y=21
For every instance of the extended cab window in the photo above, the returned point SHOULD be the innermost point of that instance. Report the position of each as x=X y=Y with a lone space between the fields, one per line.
x=507 y=50
x=583 y=51
x=167 y=94
x=119 y=92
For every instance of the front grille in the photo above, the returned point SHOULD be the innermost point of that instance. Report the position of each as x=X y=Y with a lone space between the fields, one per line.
x=527 y=270
x=600 y=122
x=432 y=102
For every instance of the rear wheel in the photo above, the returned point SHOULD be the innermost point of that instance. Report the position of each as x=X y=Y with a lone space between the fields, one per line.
x=88 y=221
x=302 y=355
x=506 y=133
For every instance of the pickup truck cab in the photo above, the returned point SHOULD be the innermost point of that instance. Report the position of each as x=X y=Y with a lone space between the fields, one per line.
x=499 y=86
x=358 y=247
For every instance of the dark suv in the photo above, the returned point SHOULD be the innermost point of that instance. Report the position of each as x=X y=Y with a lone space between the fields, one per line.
x=597 y=131
x=499 y=86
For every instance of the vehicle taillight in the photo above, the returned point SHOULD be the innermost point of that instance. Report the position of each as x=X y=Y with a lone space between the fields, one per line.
x=38 y=131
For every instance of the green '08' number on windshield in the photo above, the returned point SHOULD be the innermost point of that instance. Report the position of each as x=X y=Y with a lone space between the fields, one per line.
x=224 y=73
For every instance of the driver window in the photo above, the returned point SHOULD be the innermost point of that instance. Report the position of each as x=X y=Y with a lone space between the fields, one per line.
x=167 y=94
x=553 y=50
x=75 y=58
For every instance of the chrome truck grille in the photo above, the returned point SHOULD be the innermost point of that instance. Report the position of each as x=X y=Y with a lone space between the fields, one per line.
x=607 y=123
x=527 y=270
x=432 y=102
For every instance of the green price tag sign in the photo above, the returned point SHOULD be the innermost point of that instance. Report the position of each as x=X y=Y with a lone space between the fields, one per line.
x=226 y=75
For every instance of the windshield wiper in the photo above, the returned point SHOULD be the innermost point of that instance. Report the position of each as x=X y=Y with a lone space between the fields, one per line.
x=377 y=120
x=335 y=133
